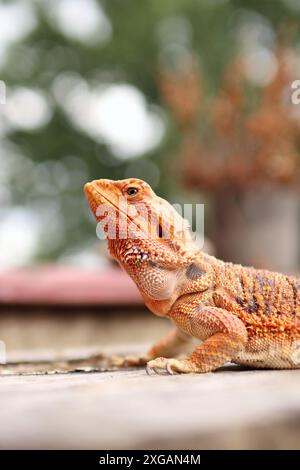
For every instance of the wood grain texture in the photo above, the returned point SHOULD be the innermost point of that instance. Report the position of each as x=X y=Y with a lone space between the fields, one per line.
x=130 y=410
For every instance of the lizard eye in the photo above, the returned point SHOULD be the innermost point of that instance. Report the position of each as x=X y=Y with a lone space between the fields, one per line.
x=132 y=191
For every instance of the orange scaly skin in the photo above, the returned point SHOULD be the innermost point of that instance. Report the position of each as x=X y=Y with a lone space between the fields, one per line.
x=240 y=314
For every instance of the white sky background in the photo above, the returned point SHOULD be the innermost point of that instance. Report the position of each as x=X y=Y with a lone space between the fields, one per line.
x=16 y=21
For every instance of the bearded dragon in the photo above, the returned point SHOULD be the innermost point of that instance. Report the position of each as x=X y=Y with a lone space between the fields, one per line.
x=240 y=314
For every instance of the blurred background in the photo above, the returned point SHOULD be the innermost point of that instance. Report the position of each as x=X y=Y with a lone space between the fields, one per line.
x=192 y=96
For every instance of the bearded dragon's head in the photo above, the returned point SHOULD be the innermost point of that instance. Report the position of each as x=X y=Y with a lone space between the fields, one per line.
x=129 y=209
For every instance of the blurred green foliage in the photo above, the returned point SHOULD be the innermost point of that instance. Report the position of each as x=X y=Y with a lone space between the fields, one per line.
x=133 y=54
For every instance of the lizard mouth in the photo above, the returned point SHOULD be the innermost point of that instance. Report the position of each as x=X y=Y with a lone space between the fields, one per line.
x=97 y=197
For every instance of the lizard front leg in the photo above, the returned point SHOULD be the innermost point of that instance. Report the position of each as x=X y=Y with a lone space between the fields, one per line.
x=170 y=345
x=224 y=336
x=173 y=343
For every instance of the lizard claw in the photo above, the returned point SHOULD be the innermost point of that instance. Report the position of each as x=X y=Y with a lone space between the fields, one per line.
x=157 y=366
x=149 y=370
x=155 y=371
x=170 y=370
x=163 y=366
x=160 y=366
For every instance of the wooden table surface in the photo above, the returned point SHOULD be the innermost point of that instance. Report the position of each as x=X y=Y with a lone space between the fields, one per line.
x=127 y=409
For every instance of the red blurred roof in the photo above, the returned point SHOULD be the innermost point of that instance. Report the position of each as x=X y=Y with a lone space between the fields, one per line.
x=65 y=285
